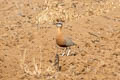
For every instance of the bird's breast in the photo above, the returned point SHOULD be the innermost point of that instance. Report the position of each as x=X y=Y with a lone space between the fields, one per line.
x=60 y=41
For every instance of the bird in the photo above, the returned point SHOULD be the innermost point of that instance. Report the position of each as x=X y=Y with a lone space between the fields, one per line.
x=62 y=41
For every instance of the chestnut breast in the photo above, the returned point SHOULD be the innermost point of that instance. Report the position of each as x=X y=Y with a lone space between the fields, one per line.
x=60 y=40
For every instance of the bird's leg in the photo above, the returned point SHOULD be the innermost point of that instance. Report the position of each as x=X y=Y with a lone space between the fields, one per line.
x=68 y=53
x=64 y=52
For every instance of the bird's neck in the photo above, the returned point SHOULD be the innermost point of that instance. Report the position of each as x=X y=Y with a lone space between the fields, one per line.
x=59 y=33
x=59 y=30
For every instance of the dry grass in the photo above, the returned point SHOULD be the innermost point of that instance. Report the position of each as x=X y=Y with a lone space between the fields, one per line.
x=38 y=72
x=67 y=10
x=26 y=68
x=57 y=10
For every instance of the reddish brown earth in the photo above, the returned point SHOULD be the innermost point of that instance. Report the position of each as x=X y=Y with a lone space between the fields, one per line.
x=97 y=34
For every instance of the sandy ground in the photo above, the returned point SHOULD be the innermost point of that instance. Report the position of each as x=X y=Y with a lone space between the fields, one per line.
x=28 y=50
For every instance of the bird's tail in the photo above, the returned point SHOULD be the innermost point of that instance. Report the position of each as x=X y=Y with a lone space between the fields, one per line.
x=76 y=45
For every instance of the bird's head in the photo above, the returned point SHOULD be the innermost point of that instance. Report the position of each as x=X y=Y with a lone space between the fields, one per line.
x=59 y=24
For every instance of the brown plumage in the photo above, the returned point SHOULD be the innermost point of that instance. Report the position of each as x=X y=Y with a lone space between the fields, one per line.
x=61 y=40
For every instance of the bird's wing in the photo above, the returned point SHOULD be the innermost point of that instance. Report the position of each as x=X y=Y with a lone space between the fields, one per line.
x=68 y=41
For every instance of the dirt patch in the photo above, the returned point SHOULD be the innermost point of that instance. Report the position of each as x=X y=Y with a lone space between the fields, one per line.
x=28 y=49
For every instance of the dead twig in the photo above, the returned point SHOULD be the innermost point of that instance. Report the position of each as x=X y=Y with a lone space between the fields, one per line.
x=56 y=64
x=92 y=34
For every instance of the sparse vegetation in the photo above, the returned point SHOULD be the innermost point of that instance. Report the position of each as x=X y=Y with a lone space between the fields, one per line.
x=28 y=52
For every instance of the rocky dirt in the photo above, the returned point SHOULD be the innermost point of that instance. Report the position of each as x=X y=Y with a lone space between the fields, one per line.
x=28 y=50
